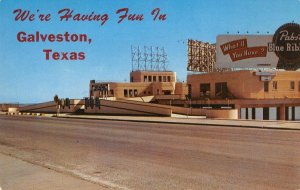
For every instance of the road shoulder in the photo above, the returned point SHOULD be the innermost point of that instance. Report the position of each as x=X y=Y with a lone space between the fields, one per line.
x=16 y=174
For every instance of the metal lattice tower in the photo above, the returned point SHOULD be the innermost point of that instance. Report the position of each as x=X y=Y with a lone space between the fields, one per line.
x=202 y=57
x=148 y=58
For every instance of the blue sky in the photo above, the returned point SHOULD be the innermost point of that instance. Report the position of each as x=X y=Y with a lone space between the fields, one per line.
x=26 y=76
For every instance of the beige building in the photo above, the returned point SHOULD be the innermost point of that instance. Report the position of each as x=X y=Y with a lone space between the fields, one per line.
x=142 y=83
x=257 y=94
x=245 y=85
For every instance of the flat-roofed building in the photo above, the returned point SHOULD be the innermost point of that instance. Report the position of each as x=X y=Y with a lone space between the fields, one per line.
x=142 y=83
x=152 y=76
x=249 y=90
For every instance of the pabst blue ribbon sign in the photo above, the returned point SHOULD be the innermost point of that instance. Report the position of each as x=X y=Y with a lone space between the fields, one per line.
x=281 y=50
x=286 y=45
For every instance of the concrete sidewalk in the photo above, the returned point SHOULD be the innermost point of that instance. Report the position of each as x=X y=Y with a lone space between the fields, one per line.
x=16 y=174
x=194 y=120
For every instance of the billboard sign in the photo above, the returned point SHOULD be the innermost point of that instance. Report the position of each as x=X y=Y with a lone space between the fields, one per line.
x=245 y=51
x=281 y=50
x=286 y=45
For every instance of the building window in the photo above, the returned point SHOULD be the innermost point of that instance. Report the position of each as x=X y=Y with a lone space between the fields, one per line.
x=299 y=86
x=169 y=79
x=112 y=92
x=145 y=78
x=157 y=91
x=266 y=86
x=274 y=86
x=167 y=92
x=130 y=93
x=154 y=78
x=221 y=89
x=135 y=92
x=149 y=78
x=159 y=79
x=164 y=79
x=205 y=90
x=125 y=93
x=292 y=85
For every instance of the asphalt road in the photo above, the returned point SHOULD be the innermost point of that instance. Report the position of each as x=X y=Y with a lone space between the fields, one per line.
x=135 y=155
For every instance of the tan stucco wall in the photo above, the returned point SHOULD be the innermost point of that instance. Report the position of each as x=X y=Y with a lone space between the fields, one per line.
x=181 y=89
x=246 y=85
x=13 y=110
x=224 y=113
x=138 y=76
x=164 y=83
x=188 y=111
x=143 y=89
x=50 y=107
x=130 y=108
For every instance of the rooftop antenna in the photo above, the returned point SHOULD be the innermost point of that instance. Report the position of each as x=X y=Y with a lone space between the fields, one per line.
x=148 y=58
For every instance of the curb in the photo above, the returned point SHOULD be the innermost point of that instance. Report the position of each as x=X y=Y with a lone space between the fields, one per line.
x=184 y=123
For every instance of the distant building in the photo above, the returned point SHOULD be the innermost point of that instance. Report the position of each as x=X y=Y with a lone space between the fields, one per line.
x=142 y=83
